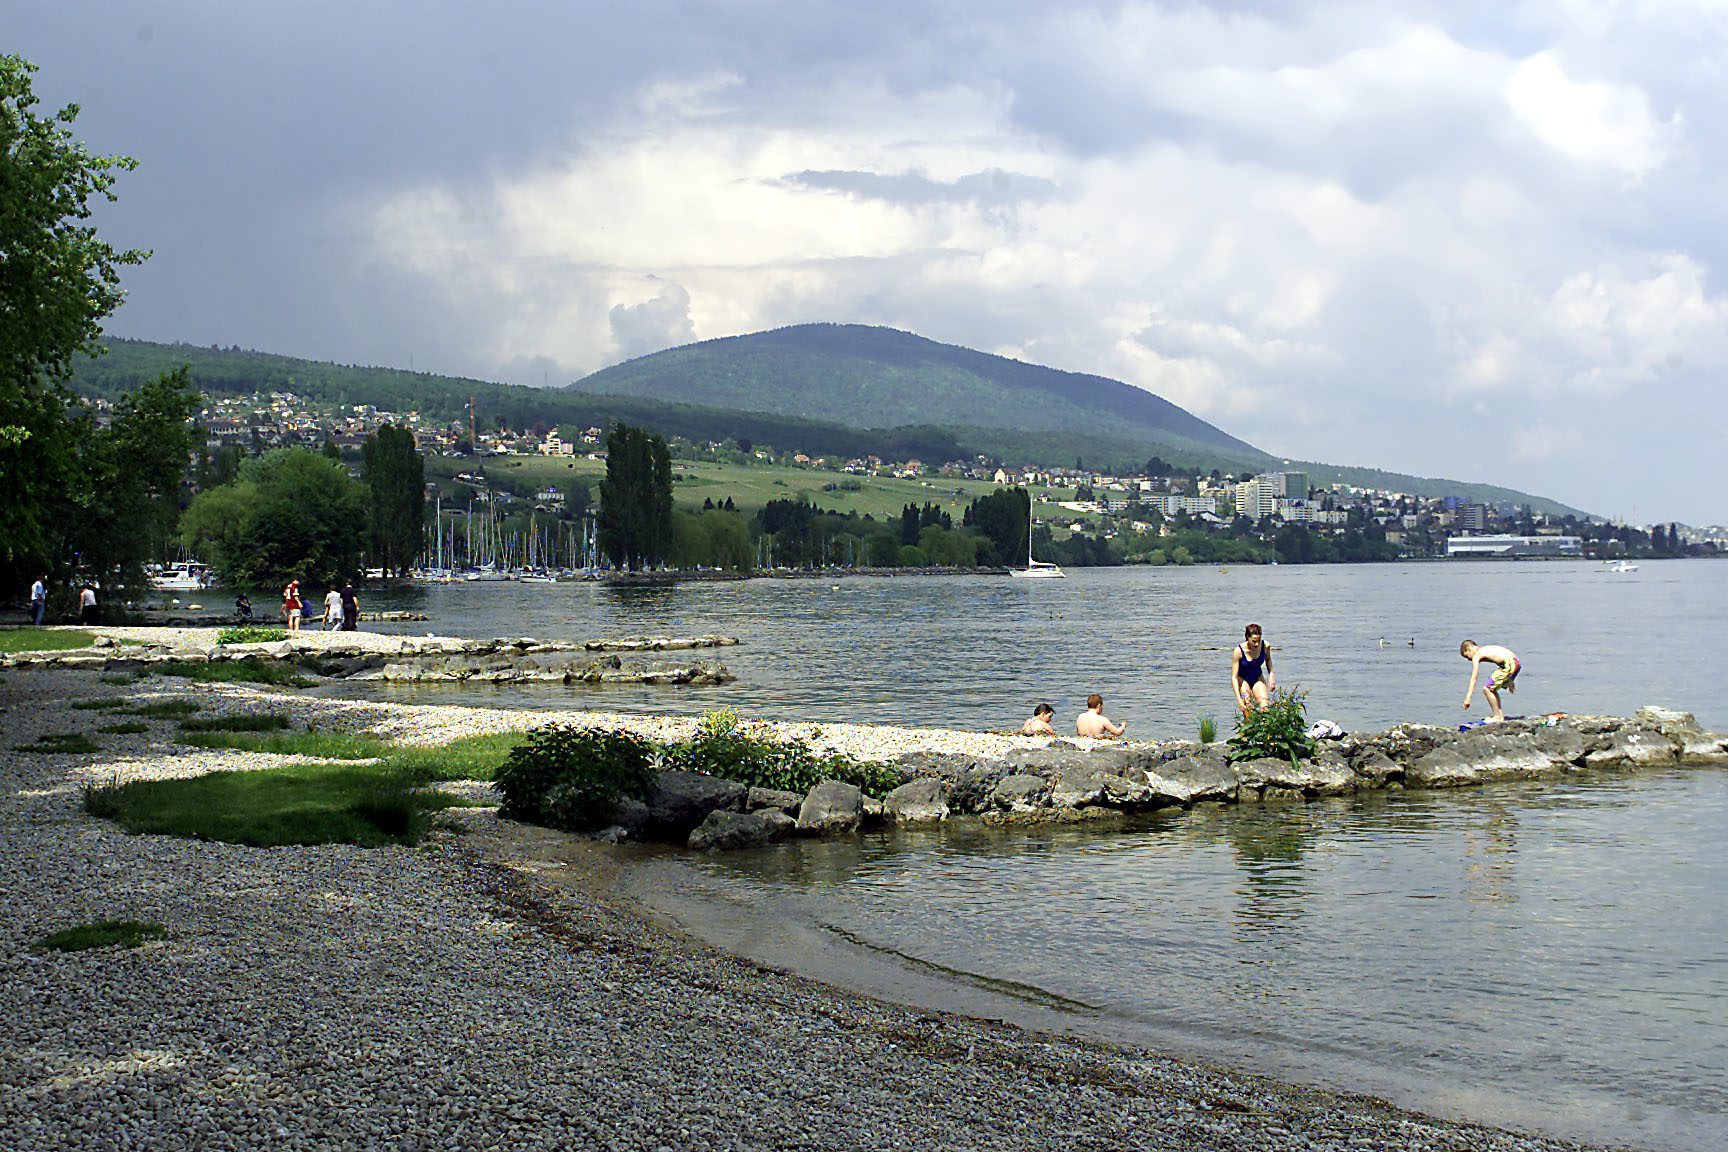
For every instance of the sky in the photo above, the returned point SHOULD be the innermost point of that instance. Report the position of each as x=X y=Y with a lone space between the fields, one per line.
x=1477 y=240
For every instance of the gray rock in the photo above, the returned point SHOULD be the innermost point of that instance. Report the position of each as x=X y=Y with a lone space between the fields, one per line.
x=1374 y=768
x=831 y=806
x=1635 y=747
x=921 y=801
x=1479 y=757
x=1563 y=745
x=1207 y=776
x=1020 y=793
x=726 y=831
x=632 y=816
x=1705 y=748
x=682 y=800
x=1317 y=777
x=1086 y=787
x=759 y=798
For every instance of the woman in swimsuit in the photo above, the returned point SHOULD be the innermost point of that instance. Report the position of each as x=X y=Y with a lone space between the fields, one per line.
x=1251 y=671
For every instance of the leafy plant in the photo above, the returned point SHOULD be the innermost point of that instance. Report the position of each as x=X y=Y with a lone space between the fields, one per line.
x=1208 y=729
x=721 y=747
x=101 y=934
x=569 y=778
x=1278 y=731
x=251 y=634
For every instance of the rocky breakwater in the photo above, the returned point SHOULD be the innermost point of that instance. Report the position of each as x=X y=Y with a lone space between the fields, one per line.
x=1062 y=781
x=371 y=656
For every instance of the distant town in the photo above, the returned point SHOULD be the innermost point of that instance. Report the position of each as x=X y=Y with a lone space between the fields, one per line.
x=1161 y=499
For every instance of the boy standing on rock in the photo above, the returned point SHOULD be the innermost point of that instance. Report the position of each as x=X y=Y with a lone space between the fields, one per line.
x=1503 y=678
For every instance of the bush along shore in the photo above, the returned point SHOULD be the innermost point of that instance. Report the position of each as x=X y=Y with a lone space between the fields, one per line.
x=735 y=785
x=370 y=656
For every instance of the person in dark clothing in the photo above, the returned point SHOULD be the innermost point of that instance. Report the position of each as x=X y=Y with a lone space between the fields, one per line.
x=350 y=606
x=243 y=607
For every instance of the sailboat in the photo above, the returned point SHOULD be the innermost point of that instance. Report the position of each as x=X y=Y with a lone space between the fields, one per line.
x=1035 y=569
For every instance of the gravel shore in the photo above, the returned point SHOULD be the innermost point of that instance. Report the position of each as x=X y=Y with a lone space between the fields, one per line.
x=443 y=997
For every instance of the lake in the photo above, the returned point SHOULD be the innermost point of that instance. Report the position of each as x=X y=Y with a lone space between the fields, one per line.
x=1551 y=955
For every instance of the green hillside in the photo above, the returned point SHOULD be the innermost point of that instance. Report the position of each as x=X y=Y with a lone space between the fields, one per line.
x=866 y=377
x=995 y=386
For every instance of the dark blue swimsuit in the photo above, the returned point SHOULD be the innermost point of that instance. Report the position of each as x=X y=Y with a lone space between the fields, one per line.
x=1250 y=670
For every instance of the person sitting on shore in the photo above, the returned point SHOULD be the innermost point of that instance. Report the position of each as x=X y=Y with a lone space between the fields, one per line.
x=1251 y=671
x=243 y=607
x=1039 y=724
x=1094 y=723
x=1503 y=679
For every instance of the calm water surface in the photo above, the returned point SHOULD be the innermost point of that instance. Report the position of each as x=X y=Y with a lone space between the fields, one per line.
x=1549 y=955
x=976 y=652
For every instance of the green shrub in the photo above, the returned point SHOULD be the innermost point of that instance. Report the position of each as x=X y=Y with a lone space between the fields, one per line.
x=251 y=634
x=569 y=778
x=1278 y=731
x=1208 y=729
x=102 y=934
x=721 y=748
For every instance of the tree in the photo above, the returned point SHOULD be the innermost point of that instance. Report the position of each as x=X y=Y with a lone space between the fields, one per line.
x=291 y=512
x=1003 y=518
x=395 y=476
x=58 y=281
x=636 y=498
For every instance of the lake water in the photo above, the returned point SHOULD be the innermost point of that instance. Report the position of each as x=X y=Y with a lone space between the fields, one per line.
x=1551 y=955
x=977 y=652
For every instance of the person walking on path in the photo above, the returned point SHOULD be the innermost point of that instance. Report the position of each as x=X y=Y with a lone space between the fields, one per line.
x=332 y=610
x=292 y=605
x=1251 y=671
x=1094 y=723
x=87 y=605
x=350 y=607
x=39 y=600
x=1504 y=678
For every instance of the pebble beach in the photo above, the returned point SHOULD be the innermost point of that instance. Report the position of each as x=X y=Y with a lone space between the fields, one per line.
x=448 y=996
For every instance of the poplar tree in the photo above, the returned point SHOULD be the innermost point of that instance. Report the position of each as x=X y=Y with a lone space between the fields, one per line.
x=636 y=499
x=395 y=476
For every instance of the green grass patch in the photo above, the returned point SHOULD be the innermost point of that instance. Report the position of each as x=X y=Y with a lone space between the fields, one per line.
x=43 y=640
x=125 y=728
x=470 y=758
x=164 y=709
x=61 y=744
x=251 y=634
x=266 y=722
x=295 y=804
x=99 y=705
x=235 y=672
x=320 y=745
x=102 y=934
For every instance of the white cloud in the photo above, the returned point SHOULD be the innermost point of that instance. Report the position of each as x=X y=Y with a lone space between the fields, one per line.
x=1600 y=123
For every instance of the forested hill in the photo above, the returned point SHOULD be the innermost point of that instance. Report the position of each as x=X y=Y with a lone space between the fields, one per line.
x=867 y=377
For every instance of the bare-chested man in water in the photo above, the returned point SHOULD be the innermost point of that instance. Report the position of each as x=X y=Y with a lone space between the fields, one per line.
x=1094 y=723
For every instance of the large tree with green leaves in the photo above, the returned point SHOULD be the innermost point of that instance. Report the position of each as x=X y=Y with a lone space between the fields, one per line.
x=395 y=476
x=58 y=281
x=636 y=498
x=291 y=512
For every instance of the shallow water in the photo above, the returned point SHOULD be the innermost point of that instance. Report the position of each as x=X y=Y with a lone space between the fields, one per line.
x=1550 y=956
x=977 y=652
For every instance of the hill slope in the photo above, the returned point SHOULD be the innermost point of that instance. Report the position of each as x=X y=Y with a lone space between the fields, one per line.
x=868 y=377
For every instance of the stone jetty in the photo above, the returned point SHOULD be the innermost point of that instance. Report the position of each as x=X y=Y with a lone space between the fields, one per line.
x=1021 y=780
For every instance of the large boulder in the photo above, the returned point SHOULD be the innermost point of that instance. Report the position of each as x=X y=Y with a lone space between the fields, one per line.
x=1020 y=793
x=682 y=800
x=1084 y=787
x=1329 y=776
x=1206 y=776
x=921 y=801
x=726 y=831
x=1374 y=769
x=1636 y=747
x=759 y=798
x=831 y=806
x=1479 y=757
x=1563 y=745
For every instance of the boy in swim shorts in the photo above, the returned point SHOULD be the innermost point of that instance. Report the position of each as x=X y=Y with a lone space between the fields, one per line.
x=1502 y=679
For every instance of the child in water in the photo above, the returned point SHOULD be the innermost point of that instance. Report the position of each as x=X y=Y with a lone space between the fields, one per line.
x=1503 y=678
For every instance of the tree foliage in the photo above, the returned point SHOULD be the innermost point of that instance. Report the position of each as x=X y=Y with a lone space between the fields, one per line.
x=290 y=513
x=395 y=477
x=58 y=281
x=636 y=499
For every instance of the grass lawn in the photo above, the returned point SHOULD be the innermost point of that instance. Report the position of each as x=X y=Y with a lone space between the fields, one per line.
x=267 y=722
x=323 y=745
x=102 y=934
x=61 y=744
x=296 y=804
x=43 y=640
x=470 y=758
